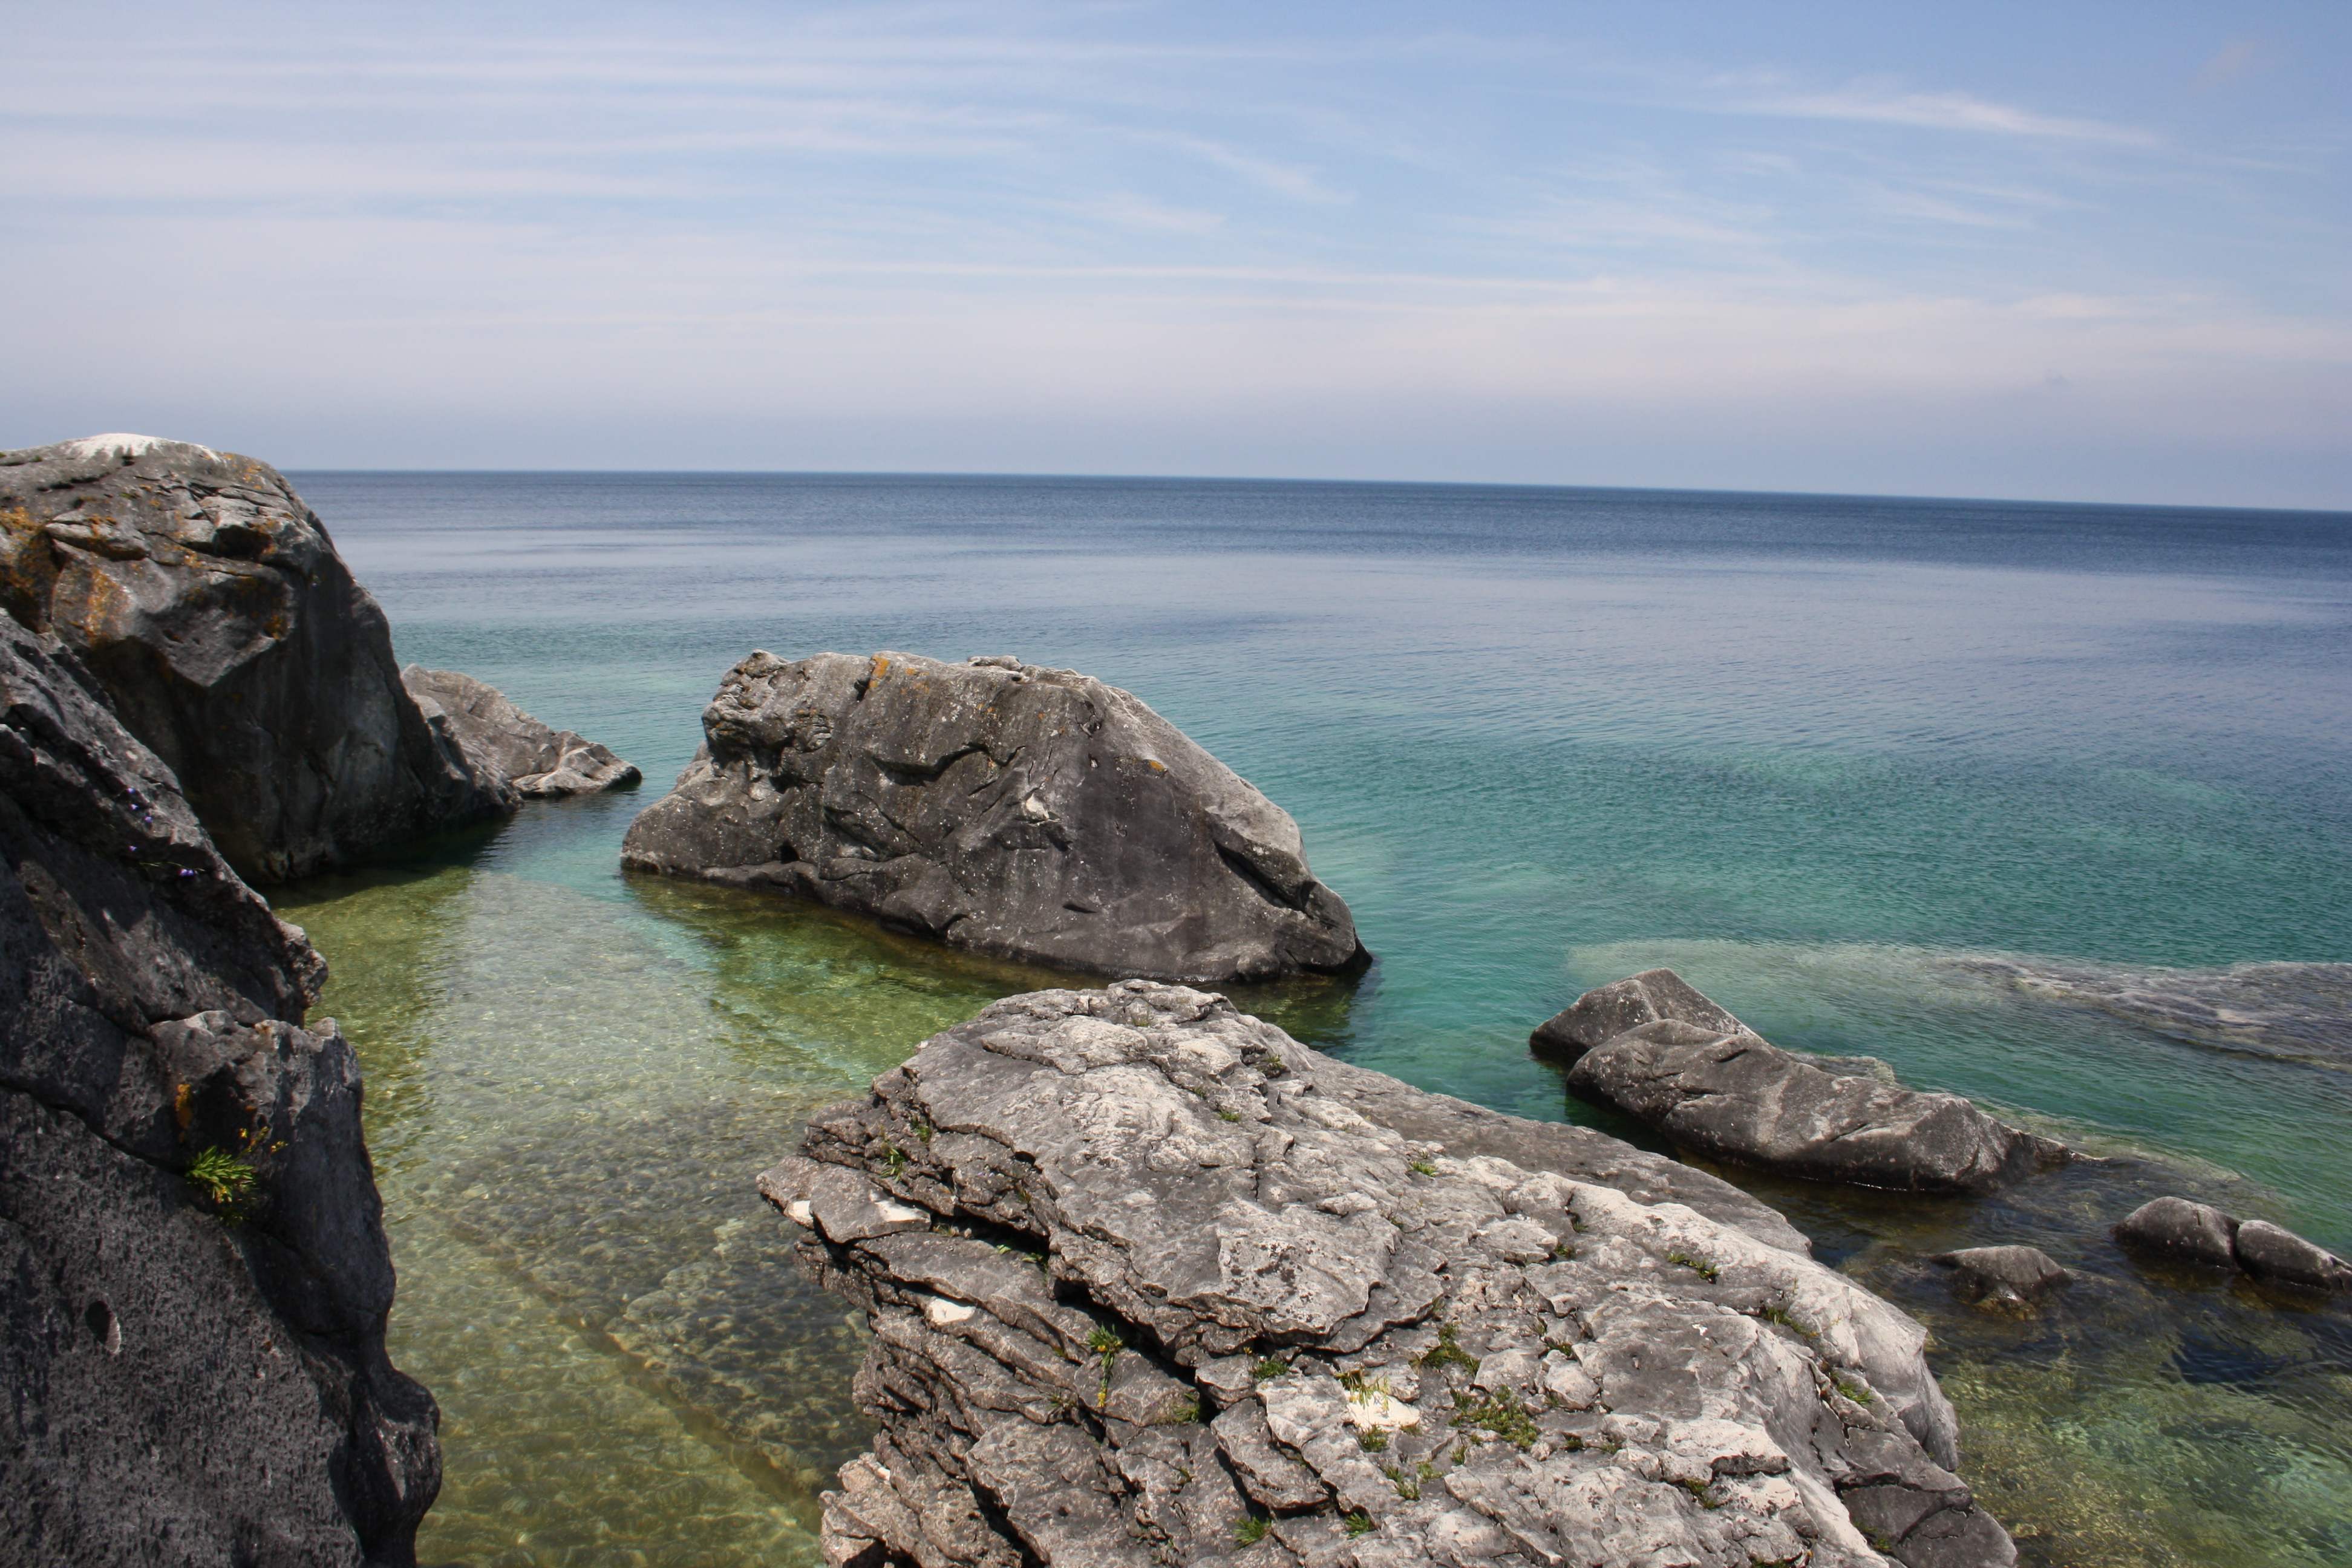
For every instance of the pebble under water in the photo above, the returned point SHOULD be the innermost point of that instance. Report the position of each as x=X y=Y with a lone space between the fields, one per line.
x=1988 y=791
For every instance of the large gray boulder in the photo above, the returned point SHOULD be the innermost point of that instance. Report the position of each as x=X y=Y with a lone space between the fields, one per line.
x=194 y=1375
x=502 y=741
x=211 y=605
x=1146 y=1287
x=1032 y=813
x=1653 y=1047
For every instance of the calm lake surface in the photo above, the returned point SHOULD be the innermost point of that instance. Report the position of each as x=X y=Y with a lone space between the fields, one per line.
x=1822 y=755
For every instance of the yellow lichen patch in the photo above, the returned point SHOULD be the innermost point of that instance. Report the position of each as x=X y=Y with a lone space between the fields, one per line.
x=881 y=669
x=28 y=567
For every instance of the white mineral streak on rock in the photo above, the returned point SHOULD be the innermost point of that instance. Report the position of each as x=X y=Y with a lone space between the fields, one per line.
x=1399 y=1354
x=118 y=443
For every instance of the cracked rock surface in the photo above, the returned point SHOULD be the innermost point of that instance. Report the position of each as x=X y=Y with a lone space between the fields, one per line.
x=184 y=1386
x=1146 y=1286
x=1654 y=1048
x=1029 y=812
x=502 y=741
x=210 y=603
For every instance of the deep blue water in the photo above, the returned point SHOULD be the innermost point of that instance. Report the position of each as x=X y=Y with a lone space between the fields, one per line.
x=1808 y=750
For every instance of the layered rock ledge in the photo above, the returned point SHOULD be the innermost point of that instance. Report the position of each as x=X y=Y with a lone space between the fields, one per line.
x=1654 y=1046
x=1149 y=1282
x=1028 y=813
x=197 y=1278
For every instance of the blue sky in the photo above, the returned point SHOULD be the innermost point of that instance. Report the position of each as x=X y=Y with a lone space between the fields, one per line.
x=2072 y=251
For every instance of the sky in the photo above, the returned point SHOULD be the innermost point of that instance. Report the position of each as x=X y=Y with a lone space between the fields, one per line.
x=2053 y=251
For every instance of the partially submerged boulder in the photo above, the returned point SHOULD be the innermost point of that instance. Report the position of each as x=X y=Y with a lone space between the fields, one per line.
x=211 y=605
x=197 y=1278
x=1032 y=813
x=2197 y=1235
x=2002 y=1278
x=1147 y=1288
x=1703 y=1078
x=503 y=741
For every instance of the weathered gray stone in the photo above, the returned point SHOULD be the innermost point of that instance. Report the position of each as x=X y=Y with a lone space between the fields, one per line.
x=2279 y=1256
x=2198 y=1235
x=211 y=606
x=1734 y=1096
x=1412 y=1354
x=2002 y=1278
x=503 y=741
x=1602 y=1014
x=1032 y=813
x=185 y=1386
x=2177 y=1231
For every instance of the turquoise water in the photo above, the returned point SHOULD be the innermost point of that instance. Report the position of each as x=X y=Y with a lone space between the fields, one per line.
x=1815 y=752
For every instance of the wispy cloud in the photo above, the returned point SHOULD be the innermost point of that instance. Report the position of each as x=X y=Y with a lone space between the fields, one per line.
x=1881 y=103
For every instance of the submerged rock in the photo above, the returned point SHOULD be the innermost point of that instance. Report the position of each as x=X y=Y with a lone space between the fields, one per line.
x=2198 y=1235
x=1146 y=1286
x=2299 y=1012
x=503 y=741
x=212 y=607
x=1702 y=1078
x=2002 y=1278
x=1032 y=813
x=192 y=1332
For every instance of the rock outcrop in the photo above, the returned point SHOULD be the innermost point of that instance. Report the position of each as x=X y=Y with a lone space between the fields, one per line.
x=1689 y=1068
x=211 y=605
x=196 y=1275
x=502 y=741
x=1032 y=813
x=1147 y=1288
x=2198 y=1235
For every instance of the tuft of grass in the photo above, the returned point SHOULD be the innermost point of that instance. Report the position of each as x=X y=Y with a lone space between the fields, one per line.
x=1183 y=1414
x=1699 y=1266
x=1269 y=1367
x=1372 y=1440
x=1273 y=1067
x=1229 y=1116
x=1446 y=1353
x=1420 y=1167
x=1249 y=1529
x=924 y=1130
x=1359 y=1523
x=1856 y=1391
x=1105 y=1341
x=224 y=1180
x=1562 y=1252
x=1781 y=1315
x=1499 y=1414
x=894 y=1161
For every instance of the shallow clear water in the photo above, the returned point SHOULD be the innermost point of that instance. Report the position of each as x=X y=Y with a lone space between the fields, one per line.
x=1812 y=751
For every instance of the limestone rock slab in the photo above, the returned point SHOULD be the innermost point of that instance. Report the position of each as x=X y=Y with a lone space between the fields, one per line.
x=1395 y=1351
x=502 y=741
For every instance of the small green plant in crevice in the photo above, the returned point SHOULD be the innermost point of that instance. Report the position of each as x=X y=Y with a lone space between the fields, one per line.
x=1249 y=1529
x=1699 y=1266
x=1448 y=1351
x=1273 y=1067
x=1562 y=1253
x=924 y=1131
x=1183 y=1413
x=1229 y=1116
x=1859 y=1393
x=894 y=1161
x=1269 y=1367
x=1497 y=1412
x=1372 y=1440
x=1359 y=1523
x=1105 y=1342
x=1420 y=1167
x=224 y=1180
x=1575 y=1224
